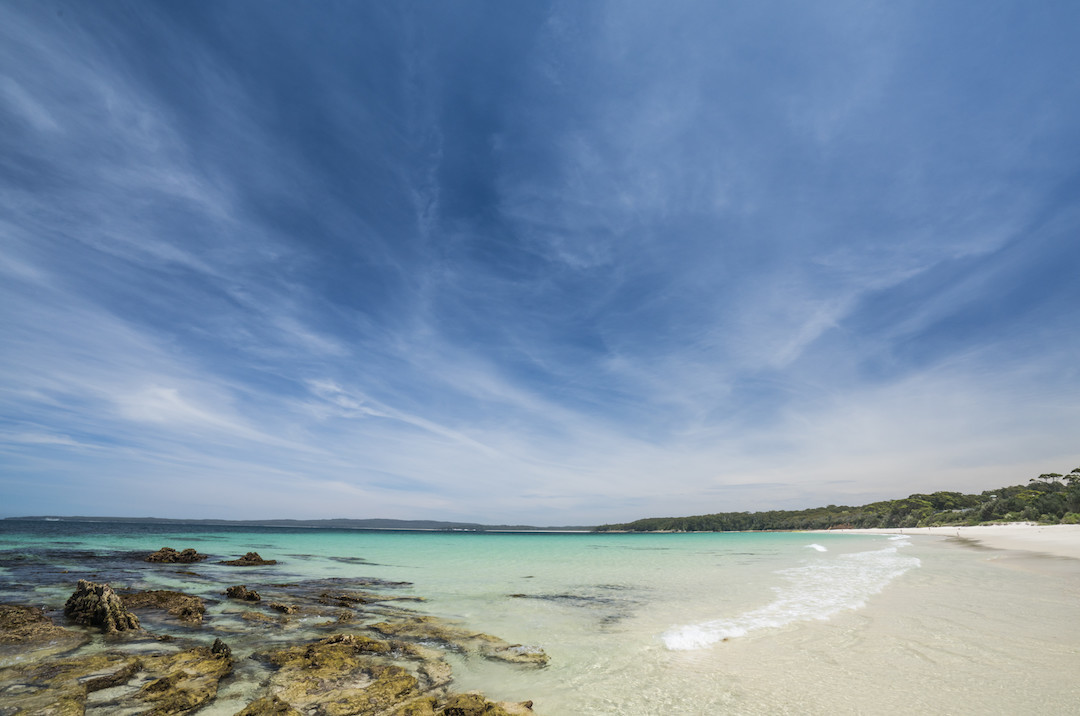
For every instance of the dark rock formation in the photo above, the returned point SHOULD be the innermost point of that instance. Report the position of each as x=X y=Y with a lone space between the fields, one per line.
x=171 y=556
x=98 y=605
x=251 y=559
x=220 y=648
x=284 y=608
x=242 y=593
x=490 y=647
x=185 y=607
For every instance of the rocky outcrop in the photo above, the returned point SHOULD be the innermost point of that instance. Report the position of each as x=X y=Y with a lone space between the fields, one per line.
x=242 y=593
x=98 y=605
x=474 y=704
x=220 y=648
x=185 y=680
x=169 y=555
x=341 y=675
x=393 y=670
x=490 y=647
x=251 y=559
x=61 y=687
x=185 y=607
x=284 y=608
x=174 y=683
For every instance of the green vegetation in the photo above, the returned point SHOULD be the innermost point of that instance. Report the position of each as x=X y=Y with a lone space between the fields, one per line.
x=1050 y=498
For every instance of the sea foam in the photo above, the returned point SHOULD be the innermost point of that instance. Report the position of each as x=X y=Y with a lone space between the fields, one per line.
x=814 y=591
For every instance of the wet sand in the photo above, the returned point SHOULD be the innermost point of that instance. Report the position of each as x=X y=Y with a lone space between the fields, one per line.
x=1057 y=540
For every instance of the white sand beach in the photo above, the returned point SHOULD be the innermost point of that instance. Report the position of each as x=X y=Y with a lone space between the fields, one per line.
x=1058 y=540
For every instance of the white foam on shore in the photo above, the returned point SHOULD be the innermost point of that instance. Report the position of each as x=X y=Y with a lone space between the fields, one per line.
x=813 y=592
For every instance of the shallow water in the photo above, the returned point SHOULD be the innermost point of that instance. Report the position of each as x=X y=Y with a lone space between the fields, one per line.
x=734 y=623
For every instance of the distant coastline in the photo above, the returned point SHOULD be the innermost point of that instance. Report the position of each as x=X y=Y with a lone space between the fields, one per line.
x=1049 y=499
x=331 y=524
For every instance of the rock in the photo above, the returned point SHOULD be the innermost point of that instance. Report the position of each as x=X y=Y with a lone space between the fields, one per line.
x=341 y=675
x=98 y=605
x=22 y=625
x=188 y=679
x=220 y=648
x=467 y=704
x=242 y=593
x=490 y=647
x=169 y=555
x=61 y=687
x=334 y=646
x=251 y=559
x=419 y=707
x=515 y=654
x=349 y=599
x=269 y=706
x=257 y=617
x=474 y=704
x=437 y=672
x=185 y=607
x=284 y=608
x=27 y=634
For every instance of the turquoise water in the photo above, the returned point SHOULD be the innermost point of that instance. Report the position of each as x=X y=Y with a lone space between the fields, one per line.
x=646 y=624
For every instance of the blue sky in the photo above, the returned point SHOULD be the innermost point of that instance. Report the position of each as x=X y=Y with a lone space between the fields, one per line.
x=547 y=262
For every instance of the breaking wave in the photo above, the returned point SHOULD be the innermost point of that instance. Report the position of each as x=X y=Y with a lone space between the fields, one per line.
x=813 y=591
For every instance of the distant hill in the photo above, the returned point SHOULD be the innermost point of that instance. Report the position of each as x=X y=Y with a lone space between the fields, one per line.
x=341 y=523
x=1050 y=498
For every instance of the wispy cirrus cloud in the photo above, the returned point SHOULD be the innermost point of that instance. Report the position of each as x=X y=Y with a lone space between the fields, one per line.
x=563 y=264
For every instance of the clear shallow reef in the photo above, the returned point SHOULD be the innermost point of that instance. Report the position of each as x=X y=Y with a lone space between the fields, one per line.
x=632 y=624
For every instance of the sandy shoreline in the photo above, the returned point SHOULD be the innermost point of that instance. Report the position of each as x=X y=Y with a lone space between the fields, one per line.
x=1057 y=540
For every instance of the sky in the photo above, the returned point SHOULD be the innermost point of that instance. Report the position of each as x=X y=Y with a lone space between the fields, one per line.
x=550 y=263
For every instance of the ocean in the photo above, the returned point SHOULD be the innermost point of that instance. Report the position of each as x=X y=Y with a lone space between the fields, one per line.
x=717 y=623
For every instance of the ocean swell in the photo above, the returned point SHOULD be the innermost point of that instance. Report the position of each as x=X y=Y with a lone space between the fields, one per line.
x=814 y=591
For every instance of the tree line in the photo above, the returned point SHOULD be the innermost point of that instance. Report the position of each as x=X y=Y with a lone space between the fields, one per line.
x=1050 y=498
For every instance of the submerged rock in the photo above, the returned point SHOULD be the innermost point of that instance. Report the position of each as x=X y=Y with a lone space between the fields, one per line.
x=490 y=647
x=21 y=625
x=98 y=605
x=251 y=559
x=241 y=592
x=269 y=706
x=61 y=687
x=169 y=555
x=349 y=599
x=257 y=617
x=185 y=607
x=27 y=634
